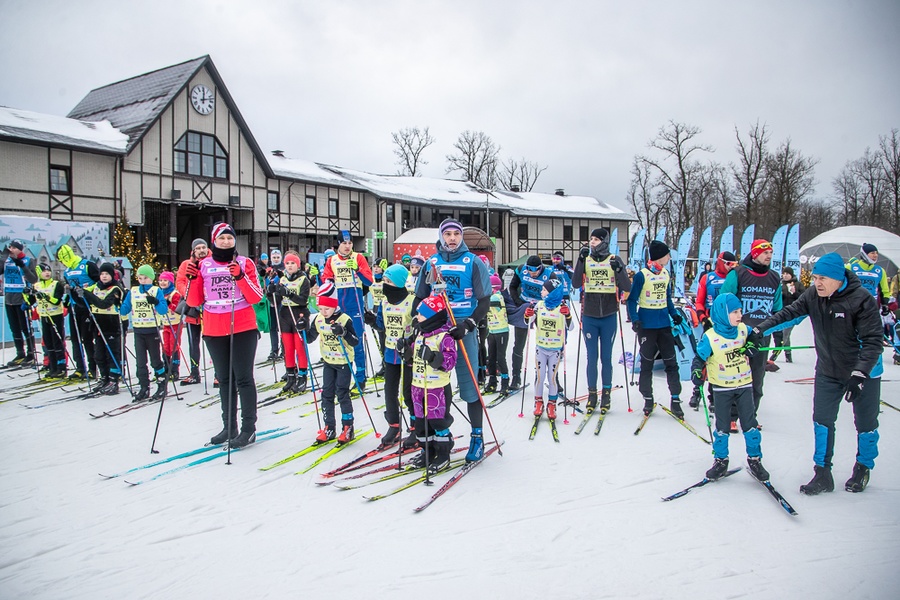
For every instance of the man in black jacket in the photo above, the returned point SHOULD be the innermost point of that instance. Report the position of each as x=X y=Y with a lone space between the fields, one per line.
x=847 y=332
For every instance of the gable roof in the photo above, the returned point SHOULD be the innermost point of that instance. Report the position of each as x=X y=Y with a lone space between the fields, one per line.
x=133 y=105
x=37 y=128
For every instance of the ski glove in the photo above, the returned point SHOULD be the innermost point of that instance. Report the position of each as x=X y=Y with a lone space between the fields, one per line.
x=313 y=270
x=234 y=268
x=616 y=263
x=698 y=371
x=370 y=318
x=352 y=264
x=460 y=330
x=855 y=387
x=749 y=349
x=677 y=318
x=636 y=326
x=301 y=323
x=564 y=310
x=434 y=359
x=529 y=312
x=585 y=252
x=151 y=300
x=191 y=270
x=337 y=329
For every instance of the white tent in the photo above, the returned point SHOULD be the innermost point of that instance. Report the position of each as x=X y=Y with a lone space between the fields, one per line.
x=847 y=241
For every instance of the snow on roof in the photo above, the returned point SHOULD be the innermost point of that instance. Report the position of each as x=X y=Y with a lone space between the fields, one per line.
x=37 y=127
x=533 y=203
x=420 y=235
x=306 y=170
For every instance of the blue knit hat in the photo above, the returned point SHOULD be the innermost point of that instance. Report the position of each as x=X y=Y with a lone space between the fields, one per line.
x=830 y=265
x=732 y=303
x=396 y=275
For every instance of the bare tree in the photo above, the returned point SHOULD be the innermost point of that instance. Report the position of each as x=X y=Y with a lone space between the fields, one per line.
x=816 y=217
x=675 y=142
x=889 y=145
x=869 y=173
x=477 y=158
x=791 y=178
x=522 y=174
x=750 y=174
x=409 y=144
x=849 y=194
x=641 y=196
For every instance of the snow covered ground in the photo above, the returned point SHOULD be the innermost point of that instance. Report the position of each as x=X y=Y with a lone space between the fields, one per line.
x=578 y=519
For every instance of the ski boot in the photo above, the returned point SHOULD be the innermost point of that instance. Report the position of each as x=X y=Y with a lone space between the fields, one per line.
x=551 y=410
x=754 y=463
x=648 y=406
x=325 y=435
x=144 y=394
x=301 y=383
x=346 y=433
x=288 y=387
x=592 y=399
x=859 y=480
x=719 y=468
x=516 y=384
x=538 y=407
x=771 y=367
x=504 y=385
x=605 y=394
x=694 y=402
x=160 y=393
x=821 y=482
x=476 y=445
x=112 y=388
x=675 y=407
x=410 y=441
x=100 y=385
x=390 y=438
x=491 y=385
x=223 y=436
x=191 y=379
x=442 y=444
x=244 y=438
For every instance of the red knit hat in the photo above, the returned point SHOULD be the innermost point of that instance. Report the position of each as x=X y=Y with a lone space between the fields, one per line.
x=759 y=246
x=290 y=256
x=327 y=295
x=431 y=306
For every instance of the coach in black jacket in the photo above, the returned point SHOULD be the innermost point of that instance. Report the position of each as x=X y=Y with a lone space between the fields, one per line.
x=847 y=332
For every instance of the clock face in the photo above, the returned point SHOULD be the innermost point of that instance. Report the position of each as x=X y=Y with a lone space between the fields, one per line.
x=202 y=99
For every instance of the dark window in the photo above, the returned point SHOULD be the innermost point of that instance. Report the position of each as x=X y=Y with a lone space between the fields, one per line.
x=585 y=236
x=332 y=207
x=523 y=231
x=389 y=212
x=354 y=211
x=567 y=233
x=272 y=202
x=59 y=179
x=201 y=155
x=310 y=205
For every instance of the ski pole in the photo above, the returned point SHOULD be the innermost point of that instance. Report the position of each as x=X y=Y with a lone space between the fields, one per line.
x=425 y=409
x=525 y=369
x=634 y=357
x=103 y=337
x=706 y=412
x=578 y=354
x=786 y=348
x=74 y=320
x=624 y=365
x=278 y=327
x=231 y=400
x=372 y=367
x=356 y=381
x=312 y=379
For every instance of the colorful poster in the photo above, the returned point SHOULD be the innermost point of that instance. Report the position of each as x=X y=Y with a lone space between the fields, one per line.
x=42 y=237
x=778 y=243
x=747 y=240
x=792 y=249
x=680 y=259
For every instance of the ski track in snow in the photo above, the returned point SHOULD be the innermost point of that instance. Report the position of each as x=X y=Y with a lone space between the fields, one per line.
x=578 y=519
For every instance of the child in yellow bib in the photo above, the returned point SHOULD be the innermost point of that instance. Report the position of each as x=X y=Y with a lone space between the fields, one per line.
x=723 y=355
x=552 y=319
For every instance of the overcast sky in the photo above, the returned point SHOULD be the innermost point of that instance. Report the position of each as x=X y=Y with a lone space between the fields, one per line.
x=580 y=87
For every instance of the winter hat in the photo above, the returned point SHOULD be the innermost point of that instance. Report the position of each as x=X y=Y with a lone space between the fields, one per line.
x=758 y=247
x=601 y=233
x=220 y=228
x=263 y=256
x=533 y=261
x=788 y=270
x=198 y=242
x=382 y=264
x=146 y=271
x=291 y=257
x=830 y=265
x=405 y=258
x=396 y=275
x=328 y=253
x=496 y=283
x=344 y=236
x=725 y=304
x=17 y=244
x=327 y=295
x=728 y=256
x=431 y=306
x=484 y=259
x=417 y=261
x=273 y=252
x=558 y=254
x=168 y=275
x=450 y=223
x=43 y=266
x=658 y=249
x=866 y=248
x=105 y=268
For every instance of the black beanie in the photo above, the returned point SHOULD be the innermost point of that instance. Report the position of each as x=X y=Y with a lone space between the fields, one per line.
x=658 y=249
x=108 y=268
x=601 y=234
x=728 y=256
x=533 y=261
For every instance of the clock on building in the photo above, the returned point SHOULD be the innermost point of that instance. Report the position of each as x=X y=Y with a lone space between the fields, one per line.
x=202 y=99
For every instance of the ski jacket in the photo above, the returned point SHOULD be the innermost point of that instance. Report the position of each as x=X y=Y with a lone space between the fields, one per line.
x=602 y=279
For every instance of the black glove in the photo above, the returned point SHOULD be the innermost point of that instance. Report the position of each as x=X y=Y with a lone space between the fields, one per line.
x=41 y=296
x=677 y=318
x=885 y=310
x=459 y=331
x=707 y=324
x=337 y=329
x=426 y=353
x=407 y=352
x=698 y=371
x=18 y=261
x=400 y=346
x=151 y=300
x=301 y=323
x=77 y=292
x=584 y=253
x=855 y=387
x=369 y=318
x=636 y=326
x=616 y=263
x=749 y=349
x=270 y=289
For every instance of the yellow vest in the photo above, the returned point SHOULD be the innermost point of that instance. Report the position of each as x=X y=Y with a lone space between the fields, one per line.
x=293 y=287
x=551 y=327
x=377 y=289
x=726 y=367
x=424 y=376
x=46 y=308
x=171 y=318
x=397 y=321
x=599 y=277
x=102 y=294
x=411 y=283
x=143 y=314
x=656 y=286
x=497 y=319
x=344 y=276
x=330 y=344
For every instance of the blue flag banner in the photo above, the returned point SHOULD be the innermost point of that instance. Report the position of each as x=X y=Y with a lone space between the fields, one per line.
x=680 y=258
x=661 y=235
x=792 y=249
x=747 y=240
x=703 y=257
x=636 y=255
x=778 y=243
x=726 y=244
x=614 y=241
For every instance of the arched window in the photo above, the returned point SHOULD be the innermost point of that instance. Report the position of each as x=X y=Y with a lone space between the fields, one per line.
x=201 y=154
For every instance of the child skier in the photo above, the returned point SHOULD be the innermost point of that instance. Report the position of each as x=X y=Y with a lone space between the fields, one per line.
x=552 y=320
x=498 y=340
x=336 y=344
x=434 y=357
x=650 y=309
x=170 y=324
x=723 y=355
x=105 y=297
x=291 y=294
x=144 y=302
x=394 y=321
x=49 y=293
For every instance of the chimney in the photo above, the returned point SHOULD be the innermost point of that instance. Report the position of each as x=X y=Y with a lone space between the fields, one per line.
x=515 y=188
x=278 y=153
x=560 y=192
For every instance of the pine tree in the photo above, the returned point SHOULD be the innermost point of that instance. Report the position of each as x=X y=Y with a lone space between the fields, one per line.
x=123 y=239
x=123 y=245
